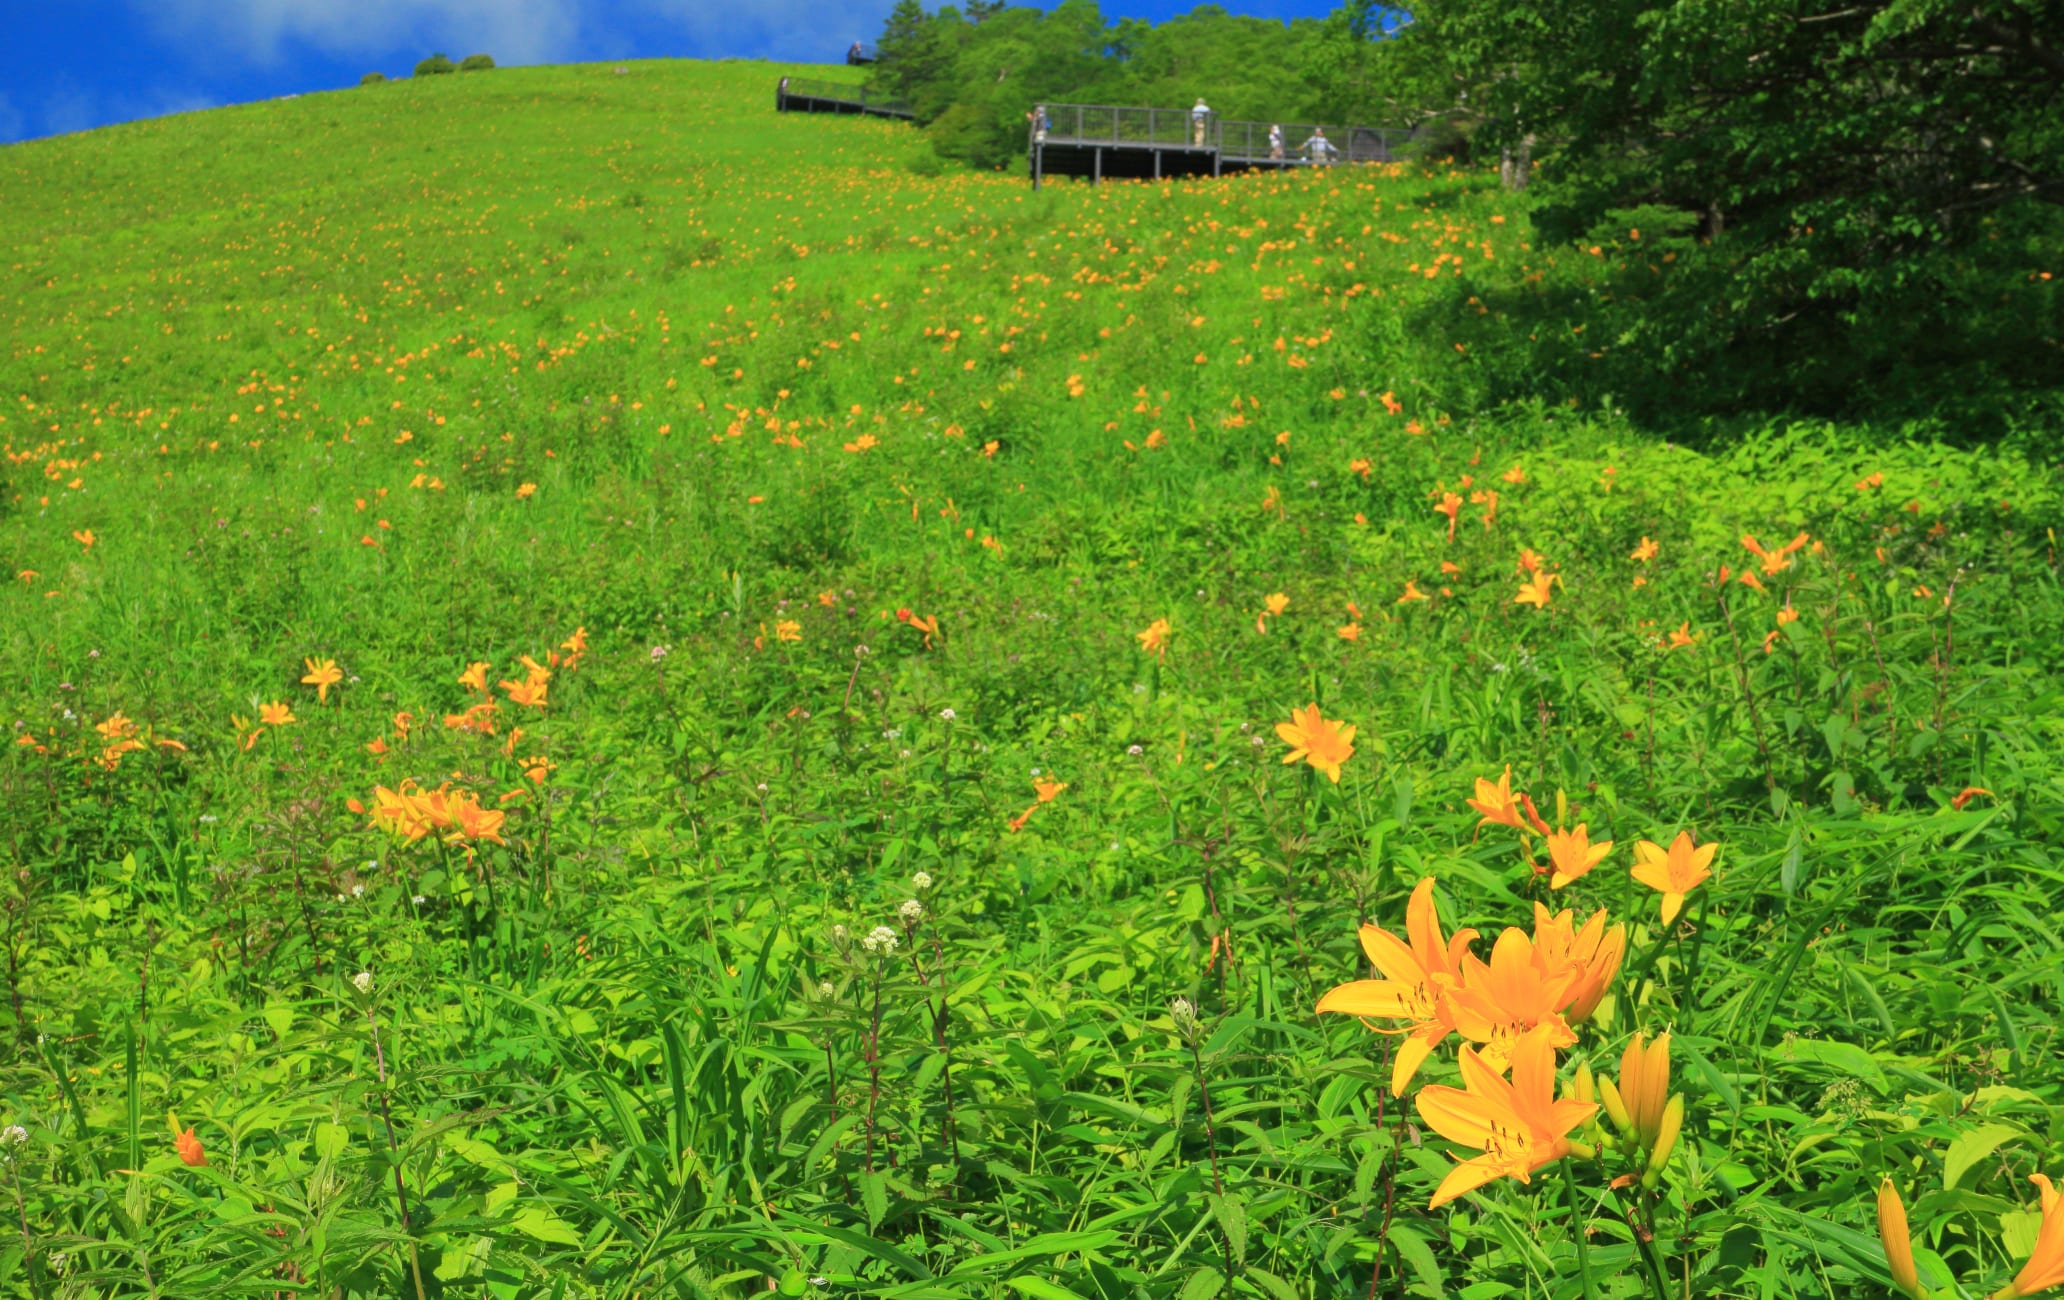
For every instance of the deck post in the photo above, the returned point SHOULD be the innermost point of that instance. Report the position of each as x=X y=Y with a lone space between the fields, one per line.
x=1096 y=177
x=1157 y=164
x=1038 y=164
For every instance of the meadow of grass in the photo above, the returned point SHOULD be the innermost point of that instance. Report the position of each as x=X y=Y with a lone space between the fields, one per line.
x=611 y=694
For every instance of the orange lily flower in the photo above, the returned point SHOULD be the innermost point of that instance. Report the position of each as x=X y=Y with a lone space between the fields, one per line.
x=2045 y=1266
x=322 y=675
x=1644 y=552
x=1509 y=997
x=1674 y=872
x=1450 y=505
x=1325 y=745
x=1774 y=562
x=1519 y=1126
x=1276 y=603
x=276 y=714
x=1591 y=956
x=1535 y=591
x=1573 y=854
x=1497 y=803
x=1417 y=980
x=475 y=676
x=1154 y=640
x=1412 y=593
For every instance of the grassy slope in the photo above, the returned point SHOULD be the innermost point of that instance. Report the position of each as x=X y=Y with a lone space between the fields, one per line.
x=291 y=364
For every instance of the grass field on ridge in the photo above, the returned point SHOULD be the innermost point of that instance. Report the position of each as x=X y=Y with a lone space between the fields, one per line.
x=836 y=508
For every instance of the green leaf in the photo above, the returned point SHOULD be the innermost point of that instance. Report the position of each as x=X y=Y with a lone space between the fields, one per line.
x=1412 y=1248
x=1968 y=1149
x=1038 y=1288
x=537 y=1222
x=1050 y=1243
x=1203 y=1284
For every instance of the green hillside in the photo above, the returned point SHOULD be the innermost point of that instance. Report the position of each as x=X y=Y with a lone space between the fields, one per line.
x=617 y=694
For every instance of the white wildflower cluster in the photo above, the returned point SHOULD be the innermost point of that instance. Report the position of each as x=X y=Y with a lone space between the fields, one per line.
x=947 y=715
x=921 y=881
x=840 y=934
x=363 y=982
x=881 y=939
x=912 y=911
x=12 y=1139
x=826 y=989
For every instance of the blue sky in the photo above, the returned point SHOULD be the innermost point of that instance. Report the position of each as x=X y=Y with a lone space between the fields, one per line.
x=68 y=65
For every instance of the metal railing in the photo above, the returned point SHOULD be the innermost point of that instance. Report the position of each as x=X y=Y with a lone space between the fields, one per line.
x=859 y=97
x=1232 y=140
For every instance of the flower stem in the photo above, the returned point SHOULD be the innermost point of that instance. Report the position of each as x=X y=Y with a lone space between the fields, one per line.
x=1576 y=1227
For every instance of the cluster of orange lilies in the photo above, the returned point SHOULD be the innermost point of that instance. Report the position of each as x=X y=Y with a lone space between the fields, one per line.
x=1516 y=1011
x=412 y=813
x=1673 y=872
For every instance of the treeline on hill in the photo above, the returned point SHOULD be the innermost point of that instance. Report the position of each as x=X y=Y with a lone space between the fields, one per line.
x=1853 y=210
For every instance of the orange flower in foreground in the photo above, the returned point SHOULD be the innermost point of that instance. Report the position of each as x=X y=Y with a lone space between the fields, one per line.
x=276 y=714
x=187 y=1142
x=1674 y=872
x=322 y=675
x=2045 y=1266
x=1519 y=1126
x=1417 y=980
x=1573 y=854
x=1325 y=745
x=1154 y=640
x=1593 y=954
x=1513 y=994
x=475 y=676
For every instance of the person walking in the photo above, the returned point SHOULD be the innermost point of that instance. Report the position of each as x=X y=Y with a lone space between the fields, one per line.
x=1319 y=148
x=1200 y=120
x=1275 y=140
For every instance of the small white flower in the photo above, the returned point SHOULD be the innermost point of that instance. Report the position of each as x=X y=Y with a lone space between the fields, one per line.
x=1035 y=771
x=822 y=1281
x=58 y=1262
x=839 y=934
x=1135 y=750
x=880 y=939
x=912 y=911
x=947 y=715
x=660 y=652
x=363 y=981
x=358 y=891
x=419 y=900
x=761 y=787
x=827 y=990
x=13 y=1135
x=921 y=881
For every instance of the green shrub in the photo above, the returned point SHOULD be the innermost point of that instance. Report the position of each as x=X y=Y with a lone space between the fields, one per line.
x=372 y=79
x=437 y=65
x=477 y=63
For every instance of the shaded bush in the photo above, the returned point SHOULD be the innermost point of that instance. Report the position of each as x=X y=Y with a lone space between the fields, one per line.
x=477 y=63
x=372 y=79
x=437 y=65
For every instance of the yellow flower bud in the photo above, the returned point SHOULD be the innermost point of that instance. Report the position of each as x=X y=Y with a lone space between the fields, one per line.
x=1609 y=1097
x=1892 y=1232
x=1586 y=1085
x=1667 y=1127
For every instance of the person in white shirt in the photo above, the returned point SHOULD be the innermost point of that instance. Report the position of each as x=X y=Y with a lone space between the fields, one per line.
x=1319 y=148
x=1200 y=116
x=1275 y=140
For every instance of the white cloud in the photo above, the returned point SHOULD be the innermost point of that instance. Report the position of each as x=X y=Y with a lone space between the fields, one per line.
x=261 y=31
x=798 y=30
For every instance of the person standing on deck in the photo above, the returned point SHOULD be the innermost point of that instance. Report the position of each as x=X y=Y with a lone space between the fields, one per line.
x=1275 y=140
x=1319 y=148
x=1041 y=123
x=1200 y=119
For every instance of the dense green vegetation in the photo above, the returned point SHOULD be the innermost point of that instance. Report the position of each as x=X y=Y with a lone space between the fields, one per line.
x=929 y=560
x=1859 y=206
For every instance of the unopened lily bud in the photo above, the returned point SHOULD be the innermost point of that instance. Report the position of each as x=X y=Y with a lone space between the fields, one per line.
x=1898 y=1244
x=1609 y=1097
x=1667 y=1129
x=1586 y=1085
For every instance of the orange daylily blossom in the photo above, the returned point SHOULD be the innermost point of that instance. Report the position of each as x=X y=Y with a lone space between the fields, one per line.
x=1683 y=638
x=475 y=676
x=1048 y=791
x=1573 y=854
x=2045 y=1266
x=1535 y=591
x=322 y=675
x=927 y=624
x=1450 y=505
x=1774 y=562
x=1154 y=640
x=1275 y=603
x=1892 y=1231
x=1594 y=953
x=1644 y=552
x=1417 y=980
x=1519 y=1126
x=1529 y=560
x=479 y=719
x=456 y=816
x=1325 y=745
x=1511 y=996
x=1674 y=872
x=1412 y=593
x=1350 y=631
x=1967 y=794
x=1787 y=615
x=530 y=692
x=186 y=1142
x=1870 y=481
x=84 y=537
x=276 y=714
x=1496 y=802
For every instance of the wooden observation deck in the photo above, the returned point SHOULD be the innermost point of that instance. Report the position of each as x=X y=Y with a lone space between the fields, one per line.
x=1097 y=141
x=803 y=95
